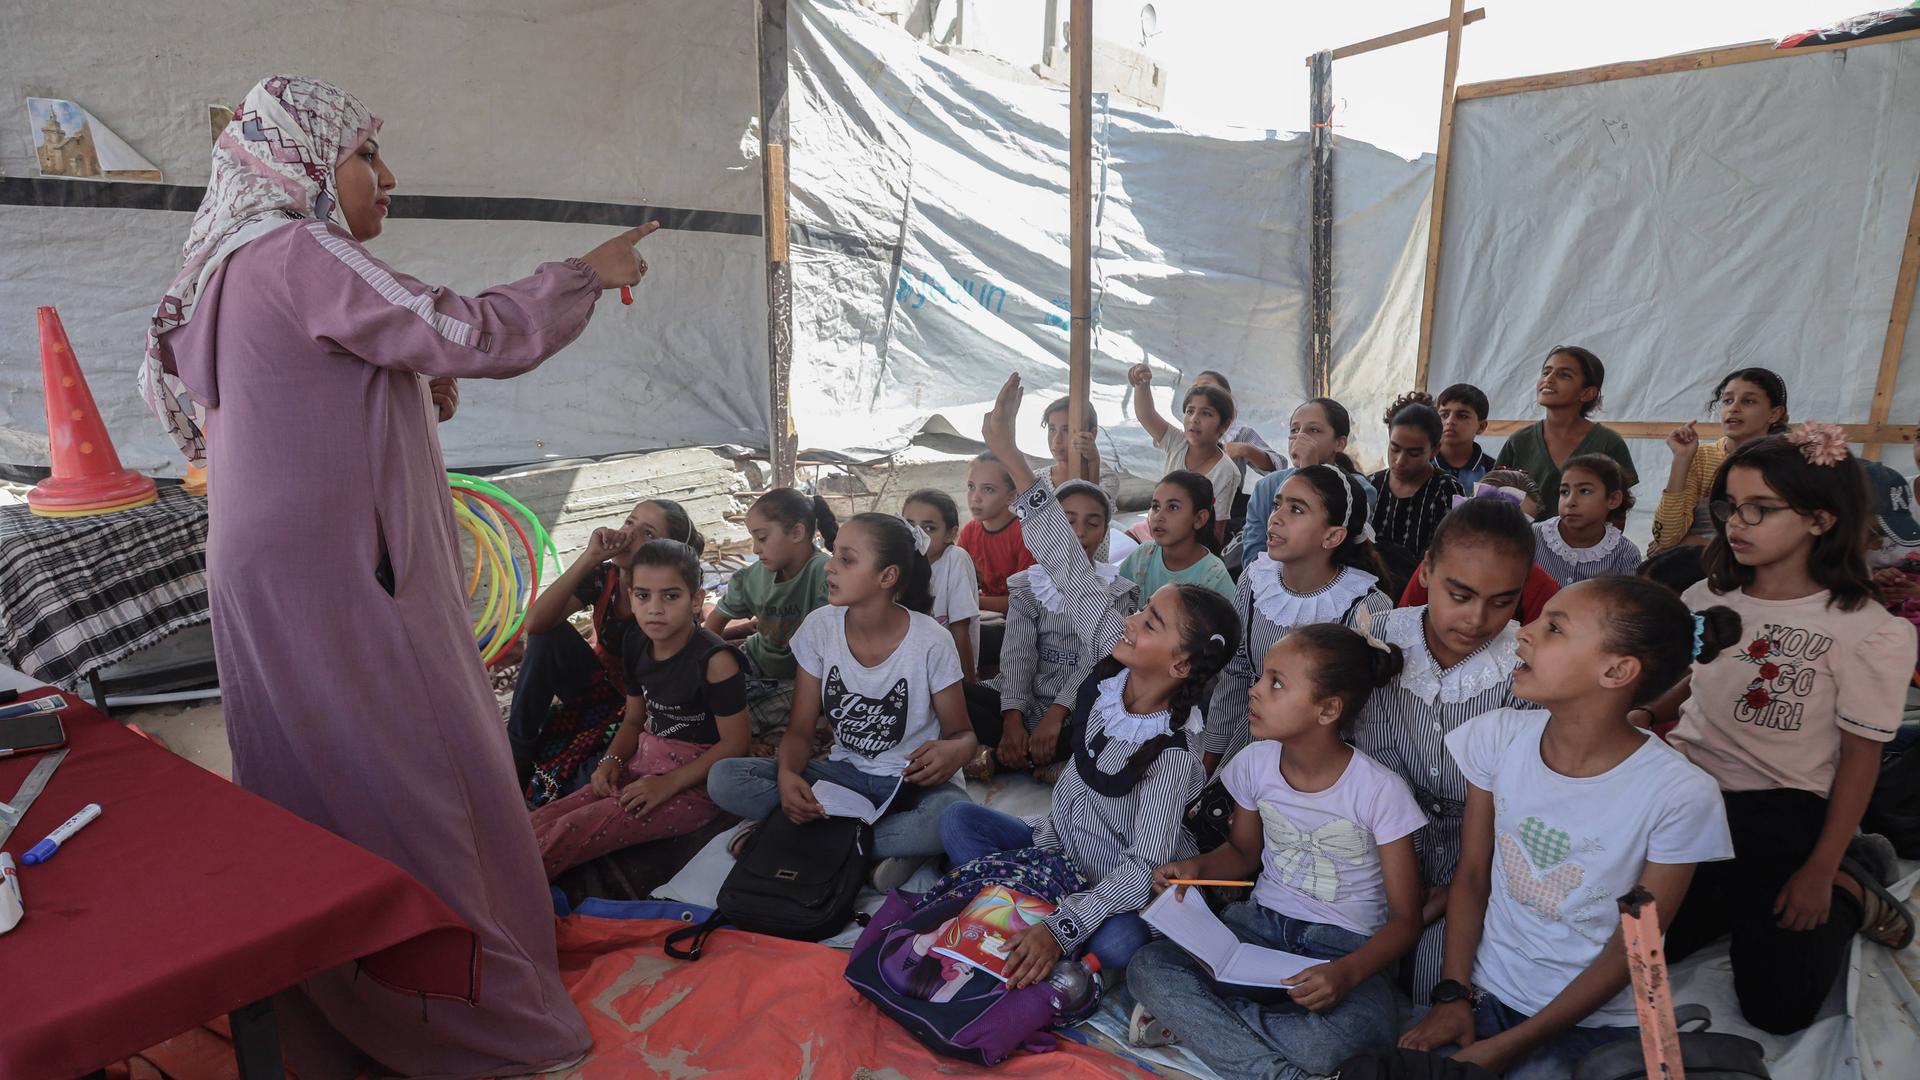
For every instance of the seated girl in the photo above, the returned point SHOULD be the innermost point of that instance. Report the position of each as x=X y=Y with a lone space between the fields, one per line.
x=1043 y=663
x=955 y=584
x=1515 y=487
x=686 y=710
x=1318 y=566
x=1414 y=495
x=1180 y=523
x=1568 y=808
x=1331 y=833
x=1752 y=404
x=1196 y=445
x=1459 y=663
x=766 y=601
x=552 y=753
x=1583 y=542
x=1317 y=435
x=887 y=677
x=1060 y=440
x=1116 y=810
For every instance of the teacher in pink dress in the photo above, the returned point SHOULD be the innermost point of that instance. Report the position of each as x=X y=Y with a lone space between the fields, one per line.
x=354 y=694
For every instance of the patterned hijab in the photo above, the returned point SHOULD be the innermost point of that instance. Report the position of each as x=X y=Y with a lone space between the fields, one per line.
x=272 y=164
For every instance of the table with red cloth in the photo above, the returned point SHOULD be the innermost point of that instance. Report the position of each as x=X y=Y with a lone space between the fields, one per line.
x=189 y=898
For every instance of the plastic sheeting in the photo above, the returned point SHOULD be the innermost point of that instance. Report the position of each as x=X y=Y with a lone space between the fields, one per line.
x=930 y=249
x=581 y=101
x=1682 y=226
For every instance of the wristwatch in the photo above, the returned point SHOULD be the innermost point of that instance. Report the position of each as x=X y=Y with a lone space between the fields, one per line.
x=1448 y=991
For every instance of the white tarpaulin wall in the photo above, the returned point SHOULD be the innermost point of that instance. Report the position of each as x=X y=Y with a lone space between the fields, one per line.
x=575 y=101
x=1681 y=226
x=930 y=249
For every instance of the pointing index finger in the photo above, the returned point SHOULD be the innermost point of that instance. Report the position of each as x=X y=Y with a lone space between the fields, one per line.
x=640 y=232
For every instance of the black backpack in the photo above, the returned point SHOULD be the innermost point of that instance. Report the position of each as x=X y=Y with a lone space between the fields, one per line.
x=792 y=881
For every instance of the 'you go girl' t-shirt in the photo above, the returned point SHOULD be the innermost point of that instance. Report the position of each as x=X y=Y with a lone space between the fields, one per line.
x=883 y=713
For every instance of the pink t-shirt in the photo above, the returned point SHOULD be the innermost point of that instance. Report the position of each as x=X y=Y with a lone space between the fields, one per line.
x=1321 y=858
x=1769 y=713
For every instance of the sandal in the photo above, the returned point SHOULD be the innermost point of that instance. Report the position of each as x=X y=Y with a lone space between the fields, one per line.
x=740 y=837
x=980 y=768
x=1144 y=1032
x=1884 y=920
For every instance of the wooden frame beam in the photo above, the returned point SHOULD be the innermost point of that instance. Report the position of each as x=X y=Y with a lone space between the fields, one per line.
x=1902 y=311
x=1667 y=65
x=1401 y=37
x=1868 y=434
x=1080 y=225
x=1456 y=22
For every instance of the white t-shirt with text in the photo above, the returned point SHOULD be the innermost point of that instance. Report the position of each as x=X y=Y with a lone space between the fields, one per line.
x=883 y=713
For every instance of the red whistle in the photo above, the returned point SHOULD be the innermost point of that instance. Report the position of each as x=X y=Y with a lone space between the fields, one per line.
x=626 y=295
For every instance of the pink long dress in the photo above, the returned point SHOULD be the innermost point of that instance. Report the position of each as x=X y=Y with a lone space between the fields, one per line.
x=364 y=712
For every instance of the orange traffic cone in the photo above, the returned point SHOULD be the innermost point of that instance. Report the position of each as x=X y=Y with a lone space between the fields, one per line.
x=87 y=476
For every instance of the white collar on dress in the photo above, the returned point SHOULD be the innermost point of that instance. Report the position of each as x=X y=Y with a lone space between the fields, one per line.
x=1048 y=594
x=1120 y=724
x=1423 y=677
x=1282 y=606
x=1549 y=532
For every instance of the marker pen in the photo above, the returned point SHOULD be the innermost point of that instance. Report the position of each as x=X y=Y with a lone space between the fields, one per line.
x=34 y=707
x=12 y=910
x=44 y=850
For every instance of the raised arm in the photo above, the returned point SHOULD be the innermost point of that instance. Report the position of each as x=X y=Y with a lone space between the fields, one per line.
x=1049 y=537
x=561 y=599
x=1141 y=376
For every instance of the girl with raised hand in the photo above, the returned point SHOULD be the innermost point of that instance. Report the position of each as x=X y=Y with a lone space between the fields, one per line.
x=1116 y=810
x=1317 y=566
x=1569 y=807
x=1753 y=404
x=1044 y=662
x=1460 y=659
x=887 y=677
x=1792 y=724
x=1197 y=445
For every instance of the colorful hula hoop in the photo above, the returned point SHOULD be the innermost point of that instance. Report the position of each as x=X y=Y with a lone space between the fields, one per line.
x=511 y=554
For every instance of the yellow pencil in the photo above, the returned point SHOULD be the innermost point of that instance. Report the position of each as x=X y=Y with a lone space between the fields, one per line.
x=1204 y=881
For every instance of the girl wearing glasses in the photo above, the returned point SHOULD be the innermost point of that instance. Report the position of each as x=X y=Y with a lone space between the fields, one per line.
x=1791 y=724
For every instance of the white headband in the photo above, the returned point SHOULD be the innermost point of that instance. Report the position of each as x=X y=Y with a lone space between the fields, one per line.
x=921 y=541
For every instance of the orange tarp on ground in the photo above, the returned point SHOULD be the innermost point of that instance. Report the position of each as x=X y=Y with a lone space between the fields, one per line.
x=754 y=1007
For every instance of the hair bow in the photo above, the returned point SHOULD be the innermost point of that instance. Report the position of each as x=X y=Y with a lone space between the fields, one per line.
x=1494 y=491
x=921 y=541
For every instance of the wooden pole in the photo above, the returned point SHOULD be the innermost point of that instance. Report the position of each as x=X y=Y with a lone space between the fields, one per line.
x=1456 y=21
x=782 y=439
x=1401 y=37
x=1652 y=994
x=1320 y=228
x=1896 y=342
x=1080 y=232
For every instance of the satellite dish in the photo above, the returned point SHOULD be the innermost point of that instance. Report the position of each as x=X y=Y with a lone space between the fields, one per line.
x=1149 y=22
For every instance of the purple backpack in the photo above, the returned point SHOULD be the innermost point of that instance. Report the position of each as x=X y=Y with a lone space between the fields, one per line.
x=977 y=1018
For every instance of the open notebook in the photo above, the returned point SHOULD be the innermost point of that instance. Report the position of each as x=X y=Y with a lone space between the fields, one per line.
x=1195 y=928
x=840 y=801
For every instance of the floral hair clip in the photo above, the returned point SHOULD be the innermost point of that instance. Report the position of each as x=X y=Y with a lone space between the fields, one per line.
x=1821 y=444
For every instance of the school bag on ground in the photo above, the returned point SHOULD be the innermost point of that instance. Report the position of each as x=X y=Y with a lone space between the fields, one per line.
x=791 y=881
x=1704 y=1055
x=955 y=1009
x=1407 y=1065
x=1894 y=809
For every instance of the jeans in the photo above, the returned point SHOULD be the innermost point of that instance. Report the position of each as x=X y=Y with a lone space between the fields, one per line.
x=1780 y=977
x=969 y=830
x=750 y=788
x=557 y=664
x=1553 y=1060
x=1256 y=1032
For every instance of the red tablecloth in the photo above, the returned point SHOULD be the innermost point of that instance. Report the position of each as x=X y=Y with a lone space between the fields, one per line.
x=187 y=899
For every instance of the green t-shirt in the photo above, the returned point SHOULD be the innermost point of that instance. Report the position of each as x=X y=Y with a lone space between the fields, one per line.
x=1527 y=449
x=1145 y=566
x=780 y=606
